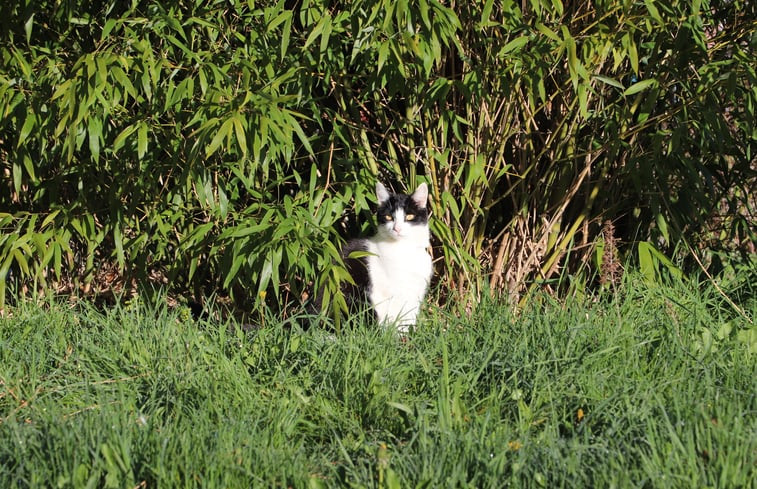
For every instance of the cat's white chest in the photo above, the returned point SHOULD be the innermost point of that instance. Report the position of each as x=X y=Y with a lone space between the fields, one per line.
x=400 y=273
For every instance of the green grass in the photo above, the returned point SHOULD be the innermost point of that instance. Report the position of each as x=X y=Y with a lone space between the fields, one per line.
x=652 y=388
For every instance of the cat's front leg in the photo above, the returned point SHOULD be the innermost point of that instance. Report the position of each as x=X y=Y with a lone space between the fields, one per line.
x=391 y=311
x=407 y=320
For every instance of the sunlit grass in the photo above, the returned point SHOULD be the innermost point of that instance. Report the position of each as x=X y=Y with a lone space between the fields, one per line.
x=654 y=388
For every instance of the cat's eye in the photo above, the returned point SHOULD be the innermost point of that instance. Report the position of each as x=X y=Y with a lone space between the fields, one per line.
x=388 y=218
x=410 y=217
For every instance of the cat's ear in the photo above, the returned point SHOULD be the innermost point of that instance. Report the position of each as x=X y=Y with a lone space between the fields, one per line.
x=420 y=196
x=381 y=193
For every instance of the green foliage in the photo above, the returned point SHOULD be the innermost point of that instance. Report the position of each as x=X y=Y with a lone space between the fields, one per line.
x=218 y=145
x=654 y=387
x=173 y=144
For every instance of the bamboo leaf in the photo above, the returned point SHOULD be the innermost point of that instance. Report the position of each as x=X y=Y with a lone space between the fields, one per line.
x=326 y=32
x=631 y=52
x=646 y=262
x=224 y=132
x=639 y=86
x=28 y=26
x=661 y=258
x=240 y=133
x=297 y=128
x=29 y=166
x=662 y=225
x=236 y=263
x=94 y=133
x=285 y=35
x=142 y=139
x=547 y=32
x=558 y=6
x=119 y=141
x=21 y=261
x=23 y=65
x=486 y=13
x=383 y=54
x=50 y=218
x=583 y=102
x=653 y=12
x=570 y=46
x=514 y=45
x=119 y=75
x=18 y=177
x=609 y=81
x=423 y=9
x=317 y=31
x=108 y=28
x=30 y=122
x=118 y=240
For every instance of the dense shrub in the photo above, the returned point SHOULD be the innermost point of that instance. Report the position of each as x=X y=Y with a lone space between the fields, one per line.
x=228 y=144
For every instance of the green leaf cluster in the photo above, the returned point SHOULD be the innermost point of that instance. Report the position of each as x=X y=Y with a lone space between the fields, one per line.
x=231 y=145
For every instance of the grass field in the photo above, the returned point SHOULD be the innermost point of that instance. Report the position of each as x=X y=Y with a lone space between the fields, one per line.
x=653 y=387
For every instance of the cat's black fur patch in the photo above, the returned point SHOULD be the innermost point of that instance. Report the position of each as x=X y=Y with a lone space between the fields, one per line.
x=356 y=295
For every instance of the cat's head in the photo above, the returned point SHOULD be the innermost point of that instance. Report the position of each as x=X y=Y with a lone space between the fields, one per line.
x=401 y=216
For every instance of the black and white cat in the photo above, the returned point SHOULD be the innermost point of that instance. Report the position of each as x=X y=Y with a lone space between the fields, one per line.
x=395 y=273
